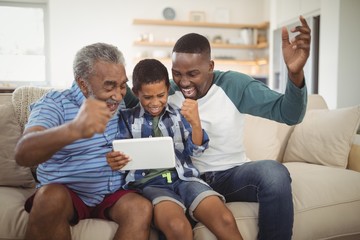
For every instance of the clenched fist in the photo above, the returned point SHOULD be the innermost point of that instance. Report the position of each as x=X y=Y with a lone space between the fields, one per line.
x=92 y=118
x=190 y=111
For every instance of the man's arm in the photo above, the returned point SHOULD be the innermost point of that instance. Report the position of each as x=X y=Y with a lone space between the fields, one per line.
x=38 y=144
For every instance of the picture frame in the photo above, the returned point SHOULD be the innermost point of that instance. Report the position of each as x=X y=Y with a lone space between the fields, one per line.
x=197 y=16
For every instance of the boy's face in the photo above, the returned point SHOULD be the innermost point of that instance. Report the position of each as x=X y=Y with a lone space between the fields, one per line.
x=153 y=97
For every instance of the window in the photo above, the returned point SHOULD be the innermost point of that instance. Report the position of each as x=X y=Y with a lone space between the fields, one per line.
x=22 y=44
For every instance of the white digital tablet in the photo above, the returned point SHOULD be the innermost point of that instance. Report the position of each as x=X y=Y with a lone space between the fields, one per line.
x=147 y=153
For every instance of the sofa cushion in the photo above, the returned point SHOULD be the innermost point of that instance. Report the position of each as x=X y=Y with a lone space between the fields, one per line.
x=326 y=201
x=246 y=217
x=95 y=229
x=264 y=139
x=324 y=137
x=11 y=174
x=13 y=217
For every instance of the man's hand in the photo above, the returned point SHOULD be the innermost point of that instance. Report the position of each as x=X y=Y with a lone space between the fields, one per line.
x=92 y=118
x=296 y=51
x=190 y=111
x=117 y=160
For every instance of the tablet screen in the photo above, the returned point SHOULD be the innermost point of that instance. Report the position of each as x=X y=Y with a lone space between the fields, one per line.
x=147 y=153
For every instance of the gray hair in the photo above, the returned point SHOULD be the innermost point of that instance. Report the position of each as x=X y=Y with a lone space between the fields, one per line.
x=88 y=56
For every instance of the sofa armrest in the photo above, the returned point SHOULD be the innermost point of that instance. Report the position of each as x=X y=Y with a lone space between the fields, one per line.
x=354 y=156
x=22 y=97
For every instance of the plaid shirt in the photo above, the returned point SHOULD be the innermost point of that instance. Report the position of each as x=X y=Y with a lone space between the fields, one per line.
x=136 y=123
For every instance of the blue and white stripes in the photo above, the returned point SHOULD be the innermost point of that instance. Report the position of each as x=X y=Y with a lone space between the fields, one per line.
x=81 y=165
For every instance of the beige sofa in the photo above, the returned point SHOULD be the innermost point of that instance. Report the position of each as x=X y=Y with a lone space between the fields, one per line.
x=322 y=154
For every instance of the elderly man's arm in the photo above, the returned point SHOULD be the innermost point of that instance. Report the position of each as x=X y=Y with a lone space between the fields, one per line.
x=38 y=144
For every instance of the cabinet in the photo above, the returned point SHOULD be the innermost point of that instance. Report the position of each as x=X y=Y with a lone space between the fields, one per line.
x=233 y=45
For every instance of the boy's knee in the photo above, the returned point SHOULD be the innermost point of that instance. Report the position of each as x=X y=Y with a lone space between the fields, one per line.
x=178 y=226
x=133 y=207
x=140 y=205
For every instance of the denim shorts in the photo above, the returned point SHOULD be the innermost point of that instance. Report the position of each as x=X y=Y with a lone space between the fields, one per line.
x=187 y=194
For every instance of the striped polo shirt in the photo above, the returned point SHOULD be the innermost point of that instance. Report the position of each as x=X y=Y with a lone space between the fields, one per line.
x=81 y=165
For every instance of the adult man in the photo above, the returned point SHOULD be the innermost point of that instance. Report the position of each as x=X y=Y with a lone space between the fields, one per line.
x=68 y=134
x=223 y=99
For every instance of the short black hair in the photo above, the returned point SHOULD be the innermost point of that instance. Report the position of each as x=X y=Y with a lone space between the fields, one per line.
x=192 y=43
x=149 y=71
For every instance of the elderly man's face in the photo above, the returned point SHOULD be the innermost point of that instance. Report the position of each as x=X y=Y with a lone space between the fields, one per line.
x=108 y=83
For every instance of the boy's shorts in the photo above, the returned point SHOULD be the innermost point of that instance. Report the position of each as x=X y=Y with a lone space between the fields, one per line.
x=82 y=211
x=187 y=194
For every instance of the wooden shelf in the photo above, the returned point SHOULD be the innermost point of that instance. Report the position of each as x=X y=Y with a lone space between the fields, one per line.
x=154 y=44
x=257 y=62
x=213 y=45
x=263 y=25
x=250 y=64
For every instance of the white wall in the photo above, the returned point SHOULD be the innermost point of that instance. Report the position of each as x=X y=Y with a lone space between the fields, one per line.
x=75 y=23
x=329 y=52
x=339 y=62
x=339 y=79
x=349 y=54
x=286 y=13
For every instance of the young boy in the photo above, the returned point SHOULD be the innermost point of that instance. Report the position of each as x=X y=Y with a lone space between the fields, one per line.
x=172 y=191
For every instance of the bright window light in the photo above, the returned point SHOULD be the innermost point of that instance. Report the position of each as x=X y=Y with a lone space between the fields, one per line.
x=22 y=45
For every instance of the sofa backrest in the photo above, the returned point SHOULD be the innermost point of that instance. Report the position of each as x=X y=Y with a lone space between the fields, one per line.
x=266 y=139
x=316 y=101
